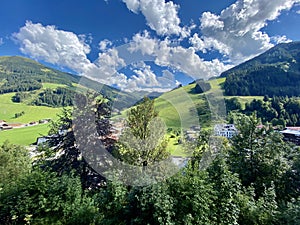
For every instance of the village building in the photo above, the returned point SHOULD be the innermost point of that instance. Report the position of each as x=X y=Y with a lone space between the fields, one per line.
x=179 y=161
x=225 y=130
x=116 y=129
x=291 y=134
x=4 y=125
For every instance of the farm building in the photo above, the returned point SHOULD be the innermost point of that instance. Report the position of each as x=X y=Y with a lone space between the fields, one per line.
x=4 y=125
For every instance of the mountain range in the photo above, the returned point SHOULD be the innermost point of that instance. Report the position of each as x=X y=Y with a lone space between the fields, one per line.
x=275 y=72
x=16 y=71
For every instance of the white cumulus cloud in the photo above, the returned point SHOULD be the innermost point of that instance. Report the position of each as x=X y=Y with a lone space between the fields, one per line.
x=68 y=50
x=280 y=39
x=160 y=15
x=105 y=68
x=104 y=44
x=236 y=32
x=144 y=43
x=144 y=78
x=183 y=59
x=55 y=46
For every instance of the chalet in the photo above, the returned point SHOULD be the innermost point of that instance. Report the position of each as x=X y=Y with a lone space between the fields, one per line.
x=225 y=130
x=116 y=129
x=193 y=133
x=293 y=128
x=42 y=121
x=291 y=134
x=42 y=140
x=196 y=128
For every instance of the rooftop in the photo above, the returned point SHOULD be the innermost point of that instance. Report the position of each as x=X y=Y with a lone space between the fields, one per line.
x=289 y=131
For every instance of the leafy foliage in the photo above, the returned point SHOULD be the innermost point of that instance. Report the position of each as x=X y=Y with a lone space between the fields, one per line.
x=233 y=104
x=44 y=198
x=257 y=156
x=14 y=163
x=278 y=111
x=253 y=180
x=143 y=142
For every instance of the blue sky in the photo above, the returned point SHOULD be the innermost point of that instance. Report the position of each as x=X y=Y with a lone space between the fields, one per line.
x=145 y=44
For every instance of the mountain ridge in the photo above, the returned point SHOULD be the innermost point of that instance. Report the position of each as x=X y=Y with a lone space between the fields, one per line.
x=274 y=72
x=26 y=68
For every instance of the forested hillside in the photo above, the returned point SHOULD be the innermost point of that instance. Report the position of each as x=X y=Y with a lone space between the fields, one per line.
x=27 y=68
x=19 y=74
x=253 y=179
x=275 y=72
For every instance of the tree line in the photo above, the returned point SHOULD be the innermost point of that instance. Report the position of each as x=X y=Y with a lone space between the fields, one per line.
x=265 y=80
x=253 y=178
x=59 y=97
x=274 y=73
x=278 y=110
x=18 y=83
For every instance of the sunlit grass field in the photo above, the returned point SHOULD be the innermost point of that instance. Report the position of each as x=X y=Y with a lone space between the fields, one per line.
x=31 y=113
x=182 y=101
x=244 y=99
x=24 y=136
x=176 y=149
x=177 y=108
x=52 y=85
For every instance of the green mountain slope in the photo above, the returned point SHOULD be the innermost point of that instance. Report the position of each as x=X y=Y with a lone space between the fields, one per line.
x=16 y=65
x=15 y=71
x=275 y=72
x=182 y=108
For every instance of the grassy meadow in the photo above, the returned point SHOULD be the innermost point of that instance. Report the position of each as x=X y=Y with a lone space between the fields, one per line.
x=32 y=113
x=179 y=109
x=25 y=135
x=53 y=86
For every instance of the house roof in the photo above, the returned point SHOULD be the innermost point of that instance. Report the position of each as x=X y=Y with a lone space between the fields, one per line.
x=293 y=132
x=225 y=127
x=293 y=128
